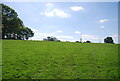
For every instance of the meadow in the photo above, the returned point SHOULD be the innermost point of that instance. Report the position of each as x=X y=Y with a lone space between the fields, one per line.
x=23 y=59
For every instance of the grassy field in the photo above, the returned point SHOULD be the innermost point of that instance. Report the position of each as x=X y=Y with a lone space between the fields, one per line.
x=0 y=60
x=58 y=60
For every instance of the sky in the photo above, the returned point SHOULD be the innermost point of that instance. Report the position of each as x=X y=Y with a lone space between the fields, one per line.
x=69 y=21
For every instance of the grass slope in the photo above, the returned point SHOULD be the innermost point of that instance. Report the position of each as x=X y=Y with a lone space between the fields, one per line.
x=59 y=60
x=0 y=60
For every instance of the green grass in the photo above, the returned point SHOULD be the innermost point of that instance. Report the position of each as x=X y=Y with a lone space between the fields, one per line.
x=59 y=60
x=0 y=60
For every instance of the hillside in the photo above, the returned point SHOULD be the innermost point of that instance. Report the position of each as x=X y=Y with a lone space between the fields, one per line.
x=59 y=60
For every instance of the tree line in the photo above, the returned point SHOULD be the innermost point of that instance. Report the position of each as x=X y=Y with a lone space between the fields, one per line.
x=12 y=25
x=106 y=40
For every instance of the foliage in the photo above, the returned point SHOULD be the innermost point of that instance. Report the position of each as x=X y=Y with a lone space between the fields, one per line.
x=76 y=41
x=58 y=60
x=12 y=25
x=51 y=39
x=87 y=41
x=108 y=40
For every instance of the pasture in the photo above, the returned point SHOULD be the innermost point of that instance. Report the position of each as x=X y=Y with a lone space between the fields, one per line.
x=58 y=60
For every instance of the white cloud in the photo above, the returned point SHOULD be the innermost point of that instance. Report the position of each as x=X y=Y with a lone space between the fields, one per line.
x=77 y=32
x=34 y=30
x=53 y=33
x=49 y=13
x=77 y=8
x=39 y=36
x=49 y=5
x=65 y=37
x=116 y=38
x=59 y=31
x=102 y=26
x=44 y=34
x=60 y=13
x=103 y=20
x=55 y=12
x=90 y=37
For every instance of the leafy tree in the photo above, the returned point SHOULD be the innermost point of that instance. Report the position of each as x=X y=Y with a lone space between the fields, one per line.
x=48 y=38
x=76 y=41
x=9 y=19
x=88 y=41
x=51 y=39
x=108 y=40
x=28 y=33
x=12 y=25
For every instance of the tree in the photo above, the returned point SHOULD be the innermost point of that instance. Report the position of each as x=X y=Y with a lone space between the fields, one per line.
x=108 y=40
x=48 y=38
x=51 y=39
x=9 y=21
x=12 y=25
x=25 y=33
x=88 y=41
x=76 y=41
x=29 y=33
